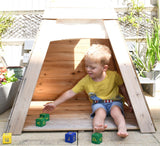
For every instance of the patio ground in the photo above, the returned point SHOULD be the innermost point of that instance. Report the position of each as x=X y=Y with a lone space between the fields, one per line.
x=84 y=137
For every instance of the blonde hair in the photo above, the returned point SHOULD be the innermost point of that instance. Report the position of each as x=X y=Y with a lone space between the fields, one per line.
x=99 y=53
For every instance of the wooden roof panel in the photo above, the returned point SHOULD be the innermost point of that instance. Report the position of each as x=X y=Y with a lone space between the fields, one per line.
x=80 y=13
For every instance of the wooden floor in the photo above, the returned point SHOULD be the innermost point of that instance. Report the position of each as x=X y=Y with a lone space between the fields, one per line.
x=73 y=115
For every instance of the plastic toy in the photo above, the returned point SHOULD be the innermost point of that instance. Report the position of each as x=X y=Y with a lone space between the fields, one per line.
x=97 y=138
x=45 y=116
x=70 y=137
x=7 y=138
x=40 y=122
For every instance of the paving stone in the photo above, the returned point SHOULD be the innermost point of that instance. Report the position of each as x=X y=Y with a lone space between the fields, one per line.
x=4 y=116
x=41 y=138
x=110 y=138
x=2 y=127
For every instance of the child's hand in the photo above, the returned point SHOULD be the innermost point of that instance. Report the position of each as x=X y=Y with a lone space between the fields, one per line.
x=49 y=107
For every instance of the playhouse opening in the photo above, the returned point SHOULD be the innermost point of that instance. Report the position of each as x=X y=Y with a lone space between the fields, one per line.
x=63 y=67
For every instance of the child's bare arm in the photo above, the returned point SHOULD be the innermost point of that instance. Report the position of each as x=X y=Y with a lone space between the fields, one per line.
x=65 y=96
x=49 y=107
x=125 y=94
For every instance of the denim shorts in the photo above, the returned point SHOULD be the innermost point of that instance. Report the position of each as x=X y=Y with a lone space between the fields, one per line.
x=107 y=107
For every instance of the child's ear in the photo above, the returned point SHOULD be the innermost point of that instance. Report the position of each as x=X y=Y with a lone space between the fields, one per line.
x=105 y=67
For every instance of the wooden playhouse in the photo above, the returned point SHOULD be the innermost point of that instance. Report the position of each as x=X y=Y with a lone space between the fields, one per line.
x=57 y=63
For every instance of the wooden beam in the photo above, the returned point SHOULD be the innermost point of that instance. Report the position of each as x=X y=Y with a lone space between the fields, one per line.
x=20 y=110
x=131 y=81
x=79 y=13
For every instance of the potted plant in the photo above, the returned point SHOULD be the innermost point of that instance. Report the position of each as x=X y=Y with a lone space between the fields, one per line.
x=145 y=62
x=8 y=88
x=6 y=76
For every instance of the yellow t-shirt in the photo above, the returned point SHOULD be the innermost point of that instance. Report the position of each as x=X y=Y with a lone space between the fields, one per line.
x=106 y=89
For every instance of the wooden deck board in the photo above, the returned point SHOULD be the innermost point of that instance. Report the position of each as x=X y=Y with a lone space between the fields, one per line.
x=67 y=117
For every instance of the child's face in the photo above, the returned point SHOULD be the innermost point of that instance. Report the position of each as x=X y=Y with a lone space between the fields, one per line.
x=94 y=70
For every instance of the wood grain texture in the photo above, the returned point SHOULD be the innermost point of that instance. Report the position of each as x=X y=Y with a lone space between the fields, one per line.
x=64 y=66
x=71 y=115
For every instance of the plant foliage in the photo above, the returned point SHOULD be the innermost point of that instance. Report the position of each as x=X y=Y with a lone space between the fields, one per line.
x=6 y=21
x=135 y=17
x=6 y=76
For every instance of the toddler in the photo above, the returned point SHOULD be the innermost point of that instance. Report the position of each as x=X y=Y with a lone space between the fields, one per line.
x=102 y=86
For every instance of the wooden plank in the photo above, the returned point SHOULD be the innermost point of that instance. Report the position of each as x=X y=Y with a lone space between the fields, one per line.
x=18 y=115
x=71 y=29
x=50 y=96
x=137 y=98
x=71 y=115
x=74 y=124
x=80 y=9
x=63 y=67
x=80 y=13
x=79 y=4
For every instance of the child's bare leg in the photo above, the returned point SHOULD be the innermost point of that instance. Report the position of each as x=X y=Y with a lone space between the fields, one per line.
x=98 y=121
x=119 y=121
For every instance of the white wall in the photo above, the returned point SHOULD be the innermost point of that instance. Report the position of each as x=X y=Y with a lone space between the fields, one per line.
x=13 y=55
